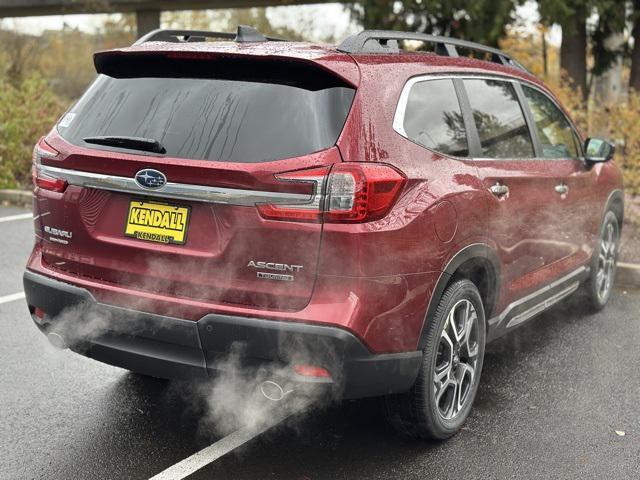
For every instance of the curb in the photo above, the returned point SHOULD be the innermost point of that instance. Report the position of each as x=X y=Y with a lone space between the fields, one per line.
x=16 y=197
x=628 y=275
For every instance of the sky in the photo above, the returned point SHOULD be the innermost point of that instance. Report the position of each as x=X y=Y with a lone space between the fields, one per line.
x=328 y=18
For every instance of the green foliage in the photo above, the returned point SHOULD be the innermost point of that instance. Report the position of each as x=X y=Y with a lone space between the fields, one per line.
x=27 y=111
x=483 y=21
x=624 y=118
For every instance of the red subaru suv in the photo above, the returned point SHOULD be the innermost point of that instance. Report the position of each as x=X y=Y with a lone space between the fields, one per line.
x=361 y=218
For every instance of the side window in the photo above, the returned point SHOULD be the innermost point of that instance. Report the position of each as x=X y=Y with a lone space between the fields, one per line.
x=556 y=135
x=499 y=119
x=433 y=118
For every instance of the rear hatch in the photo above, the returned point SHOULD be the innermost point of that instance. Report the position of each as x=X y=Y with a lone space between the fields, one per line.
x=175 y=166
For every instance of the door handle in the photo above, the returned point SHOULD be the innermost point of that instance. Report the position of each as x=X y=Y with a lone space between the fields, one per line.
x=499 y=189
x=562 y=189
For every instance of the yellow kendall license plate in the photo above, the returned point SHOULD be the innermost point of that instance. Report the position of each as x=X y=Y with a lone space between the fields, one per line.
x=157 y=222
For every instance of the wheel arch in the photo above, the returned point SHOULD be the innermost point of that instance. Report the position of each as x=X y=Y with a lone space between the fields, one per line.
x=477 y=262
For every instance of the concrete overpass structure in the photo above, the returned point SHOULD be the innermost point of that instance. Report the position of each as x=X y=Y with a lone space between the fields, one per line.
x=147 y=11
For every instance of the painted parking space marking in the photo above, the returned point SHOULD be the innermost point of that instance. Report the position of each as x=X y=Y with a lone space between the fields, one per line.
x=227 y=444
x=11 y=298
x=20 y=216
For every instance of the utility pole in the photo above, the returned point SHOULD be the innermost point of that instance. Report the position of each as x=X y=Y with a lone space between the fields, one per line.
x=147 y=20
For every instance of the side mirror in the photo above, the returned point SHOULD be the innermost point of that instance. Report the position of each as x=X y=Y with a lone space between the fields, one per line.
x=598 y=150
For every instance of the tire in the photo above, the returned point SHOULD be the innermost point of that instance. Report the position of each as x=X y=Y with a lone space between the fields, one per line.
x=597 y=288
x=429 y=410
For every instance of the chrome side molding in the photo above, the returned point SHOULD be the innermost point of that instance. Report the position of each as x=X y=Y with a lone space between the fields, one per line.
x=571 y=282
x=542 y=306
x=176 y=191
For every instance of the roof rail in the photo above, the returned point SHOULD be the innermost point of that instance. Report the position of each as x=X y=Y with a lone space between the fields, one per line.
x=243 y=34
x=386 y=41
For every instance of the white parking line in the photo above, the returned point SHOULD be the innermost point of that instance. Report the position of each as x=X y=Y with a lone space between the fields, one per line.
x=11 y=298
x=223 y=446
x=20 y=216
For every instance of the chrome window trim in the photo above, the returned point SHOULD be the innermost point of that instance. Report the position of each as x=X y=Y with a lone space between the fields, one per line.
x=401 y=107
x=178 y=191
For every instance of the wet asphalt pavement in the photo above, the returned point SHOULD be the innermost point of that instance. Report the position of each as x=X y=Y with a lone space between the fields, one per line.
x=552 y=396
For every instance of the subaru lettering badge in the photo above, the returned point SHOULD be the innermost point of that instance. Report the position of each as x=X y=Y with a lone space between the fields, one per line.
x=151 y=179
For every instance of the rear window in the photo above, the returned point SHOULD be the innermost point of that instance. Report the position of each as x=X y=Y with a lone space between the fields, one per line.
x=221 y=119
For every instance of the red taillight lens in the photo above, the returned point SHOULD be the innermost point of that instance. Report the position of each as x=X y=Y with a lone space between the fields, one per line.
x=361 y=192
x=40 y=151
x=52 y=184
x=352 y=193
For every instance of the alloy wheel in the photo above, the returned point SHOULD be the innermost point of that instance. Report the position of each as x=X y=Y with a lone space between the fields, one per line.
x=606 y=261
x=456 y=360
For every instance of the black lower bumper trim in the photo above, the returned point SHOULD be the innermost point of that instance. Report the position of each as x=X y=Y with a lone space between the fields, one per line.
x=168 y=347
x=154 y=345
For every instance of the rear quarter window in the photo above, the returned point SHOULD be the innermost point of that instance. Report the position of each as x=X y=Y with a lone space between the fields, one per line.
x=433 y=118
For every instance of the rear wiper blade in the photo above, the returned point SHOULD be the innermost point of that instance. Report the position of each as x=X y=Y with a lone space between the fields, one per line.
x=133 y=143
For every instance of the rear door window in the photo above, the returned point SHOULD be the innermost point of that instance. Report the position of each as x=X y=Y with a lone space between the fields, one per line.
x=433 y=118
x=557 y=137
x=499 y=119
x=218 y=119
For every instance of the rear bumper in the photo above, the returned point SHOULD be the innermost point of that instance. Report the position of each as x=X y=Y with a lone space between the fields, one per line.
x=169 y=347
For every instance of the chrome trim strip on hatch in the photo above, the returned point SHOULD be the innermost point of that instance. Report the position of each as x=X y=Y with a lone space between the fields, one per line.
x=177 y=191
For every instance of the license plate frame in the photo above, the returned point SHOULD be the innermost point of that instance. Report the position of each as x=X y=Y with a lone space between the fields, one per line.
x=161 y=222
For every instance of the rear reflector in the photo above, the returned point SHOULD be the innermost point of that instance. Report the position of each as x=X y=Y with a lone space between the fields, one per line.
x=39 y=313
x=351 y=193
x=311 y=371
x=49 y=183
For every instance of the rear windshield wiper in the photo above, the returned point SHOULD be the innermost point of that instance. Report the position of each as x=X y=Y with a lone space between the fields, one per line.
x=133 y=143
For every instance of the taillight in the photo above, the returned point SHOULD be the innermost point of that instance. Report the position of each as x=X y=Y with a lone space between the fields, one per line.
x=361 y=192
x=352 y=193
x=310 y=211
x=40 y=151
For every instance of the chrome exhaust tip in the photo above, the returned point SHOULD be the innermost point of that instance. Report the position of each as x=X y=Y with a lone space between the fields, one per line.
x=57 y=340
x=273 y=391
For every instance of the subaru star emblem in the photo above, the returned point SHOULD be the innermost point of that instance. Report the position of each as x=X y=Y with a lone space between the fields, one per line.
x=150 y=178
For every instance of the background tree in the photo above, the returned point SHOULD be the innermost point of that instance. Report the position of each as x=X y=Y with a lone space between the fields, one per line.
x=571 y=15
x=607 y=34
x=634 y=77
x=228 y=20
x=18 y=57
x=482 y=21
x=588 y=28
